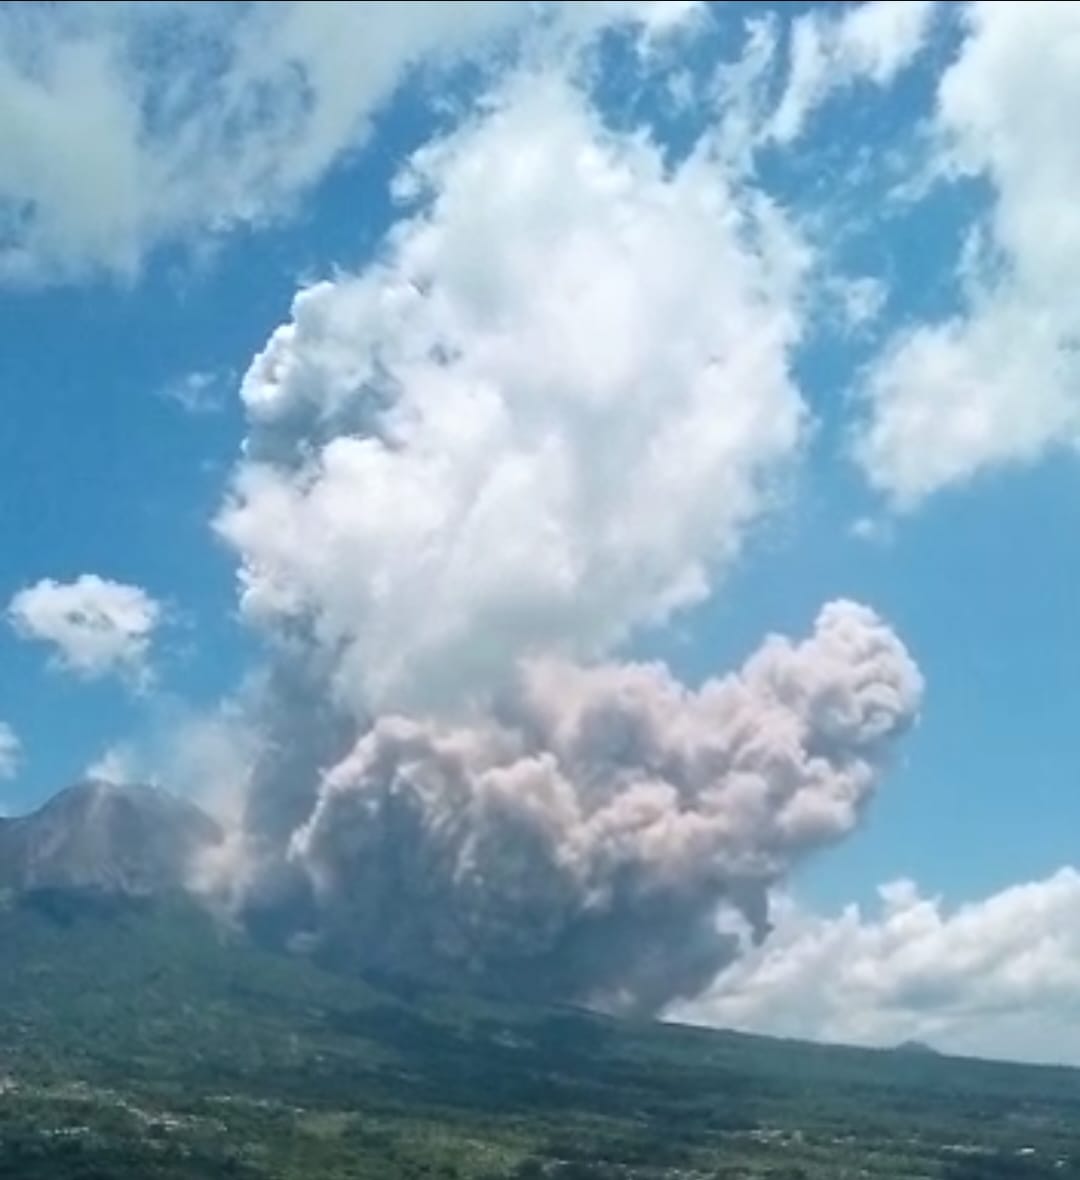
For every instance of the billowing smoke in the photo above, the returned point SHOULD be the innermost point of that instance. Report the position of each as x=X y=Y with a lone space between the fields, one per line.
x=581 y=842
x=546 y=415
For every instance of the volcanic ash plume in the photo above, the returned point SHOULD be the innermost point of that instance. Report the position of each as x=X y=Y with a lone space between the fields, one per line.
x=581 y=843
x=545 y=415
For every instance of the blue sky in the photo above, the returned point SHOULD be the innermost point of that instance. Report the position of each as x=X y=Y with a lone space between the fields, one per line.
x=902 y=149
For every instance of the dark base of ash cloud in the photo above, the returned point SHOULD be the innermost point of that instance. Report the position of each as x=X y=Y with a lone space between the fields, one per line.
x=602 y=835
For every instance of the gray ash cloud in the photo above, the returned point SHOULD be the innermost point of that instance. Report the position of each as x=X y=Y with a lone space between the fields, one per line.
x=580 y=841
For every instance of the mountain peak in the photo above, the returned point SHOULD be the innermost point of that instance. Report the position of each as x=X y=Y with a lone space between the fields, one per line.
x=916 y=1048
x=107 y=837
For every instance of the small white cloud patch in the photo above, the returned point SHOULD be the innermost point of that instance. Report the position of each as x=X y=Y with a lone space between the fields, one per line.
x=117 y=765
x=10 y=751
x=96 y=627
x=198 y=392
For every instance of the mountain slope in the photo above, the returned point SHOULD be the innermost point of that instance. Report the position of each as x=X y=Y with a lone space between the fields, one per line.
x=114 y=839
x=140 y=1038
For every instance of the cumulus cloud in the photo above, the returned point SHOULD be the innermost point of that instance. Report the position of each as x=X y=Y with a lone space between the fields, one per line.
x=870 y=42
x=125 y=125
x=579 y=842
x=996 y=383
x=96 y=627
x=10 y=752
x=995 y=977
x=547 y=414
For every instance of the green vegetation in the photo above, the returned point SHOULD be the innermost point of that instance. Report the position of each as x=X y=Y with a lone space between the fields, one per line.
x=140 y=1041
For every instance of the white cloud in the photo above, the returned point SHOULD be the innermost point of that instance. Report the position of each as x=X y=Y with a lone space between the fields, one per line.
x=656 y=17
x=862 y=299
x=198 y=392
x=871 y=41
x=998 y=383
x=117 y=765
x=10 y=751
x=124 y=125
x=97 y=627
x=997 y=977
x=874 y=530
x=879 y=38
x=548 y=414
